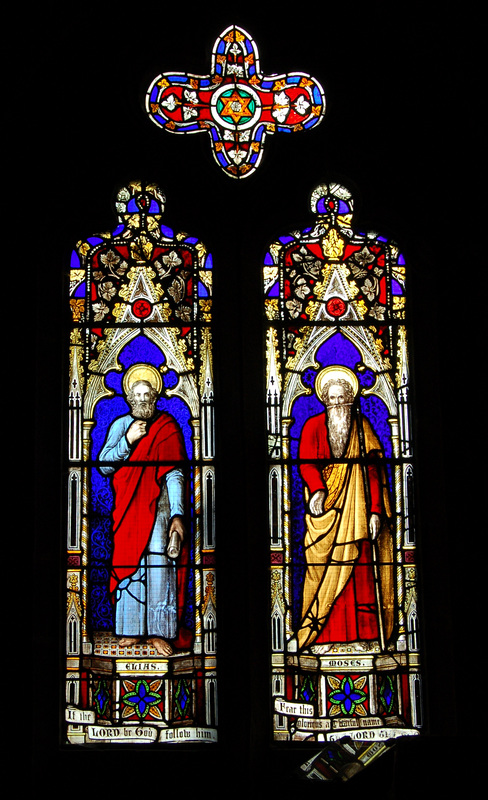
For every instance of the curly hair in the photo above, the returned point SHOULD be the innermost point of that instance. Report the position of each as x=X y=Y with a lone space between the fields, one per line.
x=152 y=392
x=345 y=385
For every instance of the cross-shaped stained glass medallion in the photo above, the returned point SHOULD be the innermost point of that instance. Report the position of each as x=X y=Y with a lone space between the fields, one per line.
x=236 y=104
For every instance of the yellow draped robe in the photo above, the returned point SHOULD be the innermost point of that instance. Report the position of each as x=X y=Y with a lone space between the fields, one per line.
x=331 y=541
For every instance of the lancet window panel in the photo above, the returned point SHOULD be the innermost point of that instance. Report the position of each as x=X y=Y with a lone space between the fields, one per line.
x=141 y=581
x=341 y=473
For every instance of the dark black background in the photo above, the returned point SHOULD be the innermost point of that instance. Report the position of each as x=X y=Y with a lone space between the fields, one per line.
x=403 y=131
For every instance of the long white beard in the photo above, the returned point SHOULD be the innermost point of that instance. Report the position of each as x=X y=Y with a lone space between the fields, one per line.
x=143 y=410
x=339 y=425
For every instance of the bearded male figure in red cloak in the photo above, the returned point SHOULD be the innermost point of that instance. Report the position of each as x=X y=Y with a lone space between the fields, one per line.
x=348 y=593
x=144 y=452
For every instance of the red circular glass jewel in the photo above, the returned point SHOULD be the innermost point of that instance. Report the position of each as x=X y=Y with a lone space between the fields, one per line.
x=141 y=308
x=336 y=307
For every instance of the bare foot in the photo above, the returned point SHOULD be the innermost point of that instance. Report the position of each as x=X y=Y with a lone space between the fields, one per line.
x=160 y=645
x=127 y=641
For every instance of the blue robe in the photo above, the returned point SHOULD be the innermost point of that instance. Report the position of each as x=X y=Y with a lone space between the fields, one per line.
x=146 y=601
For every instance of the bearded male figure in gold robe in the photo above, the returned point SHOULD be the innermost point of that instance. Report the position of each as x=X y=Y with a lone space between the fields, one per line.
x=348 y=593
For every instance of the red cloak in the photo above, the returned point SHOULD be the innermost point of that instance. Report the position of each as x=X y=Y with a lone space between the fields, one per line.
x=137 y=487
x=314 y=444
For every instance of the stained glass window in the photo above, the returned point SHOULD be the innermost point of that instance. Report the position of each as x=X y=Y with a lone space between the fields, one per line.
x=235 y=104
x=141 y=606
x=399 y=98
x=344 y=646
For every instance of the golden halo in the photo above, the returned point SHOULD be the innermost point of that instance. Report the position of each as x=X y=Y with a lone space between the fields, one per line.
x=334 y=373
x=142 y=372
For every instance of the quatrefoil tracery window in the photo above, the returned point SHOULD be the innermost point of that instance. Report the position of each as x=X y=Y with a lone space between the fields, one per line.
x=235 y=103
